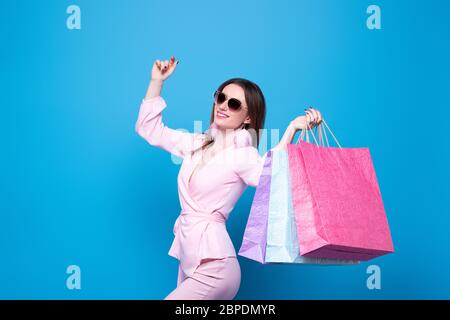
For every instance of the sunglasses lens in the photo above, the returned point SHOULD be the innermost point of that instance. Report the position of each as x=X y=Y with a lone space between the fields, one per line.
x=220 y=97
x=234 y=104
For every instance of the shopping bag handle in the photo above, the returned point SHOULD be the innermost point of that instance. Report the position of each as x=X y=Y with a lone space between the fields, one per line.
x=320 y=128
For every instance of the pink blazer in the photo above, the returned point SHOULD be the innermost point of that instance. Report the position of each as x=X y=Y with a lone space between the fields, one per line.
x=208 y=195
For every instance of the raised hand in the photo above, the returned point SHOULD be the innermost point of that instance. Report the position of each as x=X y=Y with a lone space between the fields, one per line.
x=162 y=69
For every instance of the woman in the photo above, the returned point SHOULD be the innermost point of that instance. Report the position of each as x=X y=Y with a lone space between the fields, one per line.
x=217 y=167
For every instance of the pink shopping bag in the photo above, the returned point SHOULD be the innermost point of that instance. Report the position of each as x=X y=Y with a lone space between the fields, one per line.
x=337 y=202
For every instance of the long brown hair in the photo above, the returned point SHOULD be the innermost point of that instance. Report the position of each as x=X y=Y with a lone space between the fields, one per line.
x=256 y=108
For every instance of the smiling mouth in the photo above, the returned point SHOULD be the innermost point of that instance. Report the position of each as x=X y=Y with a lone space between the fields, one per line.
x=221 y=115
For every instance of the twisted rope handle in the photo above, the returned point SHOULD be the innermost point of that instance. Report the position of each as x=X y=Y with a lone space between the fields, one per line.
x=320 y=128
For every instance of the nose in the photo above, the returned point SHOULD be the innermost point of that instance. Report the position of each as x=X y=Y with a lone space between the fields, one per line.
x=223 y=105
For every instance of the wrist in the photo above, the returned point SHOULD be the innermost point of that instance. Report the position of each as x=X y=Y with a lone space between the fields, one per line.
x=156 y=80
x=154 y=88
x=293 y=127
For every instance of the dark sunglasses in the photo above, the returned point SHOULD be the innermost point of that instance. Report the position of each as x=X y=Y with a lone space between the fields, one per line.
x=233 y=103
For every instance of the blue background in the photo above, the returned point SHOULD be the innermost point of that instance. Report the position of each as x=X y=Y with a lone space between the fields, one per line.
x=79 y=186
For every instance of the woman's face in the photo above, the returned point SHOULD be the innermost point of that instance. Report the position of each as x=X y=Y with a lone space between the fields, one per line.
x=225 y=118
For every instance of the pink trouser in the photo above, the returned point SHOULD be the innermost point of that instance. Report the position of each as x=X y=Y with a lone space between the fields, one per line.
x=214 y=279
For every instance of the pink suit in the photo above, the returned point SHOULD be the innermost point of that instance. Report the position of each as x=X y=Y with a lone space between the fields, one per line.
x=207 y=196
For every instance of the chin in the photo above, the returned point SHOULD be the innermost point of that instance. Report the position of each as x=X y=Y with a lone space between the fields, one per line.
x=218 y=125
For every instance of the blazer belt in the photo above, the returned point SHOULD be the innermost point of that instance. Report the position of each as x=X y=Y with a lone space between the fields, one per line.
x=211 y=216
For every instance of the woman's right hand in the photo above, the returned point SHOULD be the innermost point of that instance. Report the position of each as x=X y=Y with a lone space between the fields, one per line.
x=163 y=69
x=312 y=119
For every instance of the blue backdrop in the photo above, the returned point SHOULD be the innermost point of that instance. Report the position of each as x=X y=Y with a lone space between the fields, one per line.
x=80 y=187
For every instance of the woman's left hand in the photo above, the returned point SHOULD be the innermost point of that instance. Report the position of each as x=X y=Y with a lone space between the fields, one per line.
x=312 y=119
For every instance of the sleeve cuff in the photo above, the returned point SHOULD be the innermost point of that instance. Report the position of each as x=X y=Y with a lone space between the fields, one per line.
x=154 y=104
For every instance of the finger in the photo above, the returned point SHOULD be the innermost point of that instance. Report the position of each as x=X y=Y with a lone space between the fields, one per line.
x=316 y=117
x=172 y=62
x=310 y=121
x=174 y=65
x=314 y=114
x=176 y=62
x=171 y=68
x=310 y=116
x=158 y=64
x=313 y=119
x=319 y=120
x=306 y=114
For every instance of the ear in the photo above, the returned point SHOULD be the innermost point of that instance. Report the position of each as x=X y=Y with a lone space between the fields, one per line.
x=247 y=120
